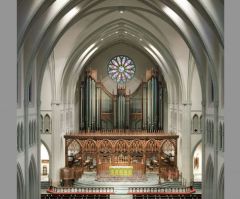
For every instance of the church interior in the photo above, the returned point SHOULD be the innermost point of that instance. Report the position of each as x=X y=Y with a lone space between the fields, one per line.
x=120 y=99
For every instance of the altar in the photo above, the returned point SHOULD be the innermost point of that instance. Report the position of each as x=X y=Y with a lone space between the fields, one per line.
x=122 y=171
x=121 y=156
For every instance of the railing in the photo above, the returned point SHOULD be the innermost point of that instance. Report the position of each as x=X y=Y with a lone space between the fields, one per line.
x=161 y=191
x=81 y=190
x=75 y=196
x=191 y=196
x=119 y=131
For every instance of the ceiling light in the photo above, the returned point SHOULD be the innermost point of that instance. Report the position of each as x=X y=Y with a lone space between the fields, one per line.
x=121 y=11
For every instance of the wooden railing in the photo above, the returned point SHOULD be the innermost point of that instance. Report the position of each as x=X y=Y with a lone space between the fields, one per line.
x=78 y=193
x=190 y=196
x=81 y=190
x=161 y=191
x=119 y=131
x=75 y=196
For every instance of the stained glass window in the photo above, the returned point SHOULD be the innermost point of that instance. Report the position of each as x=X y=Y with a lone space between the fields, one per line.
x=121 y=68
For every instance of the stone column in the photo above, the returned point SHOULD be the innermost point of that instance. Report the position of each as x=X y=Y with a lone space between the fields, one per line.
x=56 y=139
x=186 y=143
x=203 y=150
x=215 y=144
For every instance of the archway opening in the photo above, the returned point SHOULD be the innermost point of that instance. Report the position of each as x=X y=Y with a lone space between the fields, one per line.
x=197 y=163
x=44 y=163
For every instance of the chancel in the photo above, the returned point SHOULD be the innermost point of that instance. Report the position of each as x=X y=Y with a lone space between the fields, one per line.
x=120 y=99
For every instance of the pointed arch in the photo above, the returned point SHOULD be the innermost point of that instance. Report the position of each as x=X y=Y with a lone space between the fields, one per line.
x=20 y=183
x=201 y=120
x=47 y=123
x=41 y=123
x=105 y=145
x=152 y=146
x=32 y=174
x=221 y=184
x=209 y=179
x=22 y=137
x=18 y=138
x=121 y=146
x=197 y=161
x=195 y=122
x=45 y=166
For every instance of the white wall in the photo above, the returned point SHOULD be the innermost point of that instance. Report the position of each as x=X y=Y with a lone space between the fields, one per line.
x=46 y=91
x=101 y=60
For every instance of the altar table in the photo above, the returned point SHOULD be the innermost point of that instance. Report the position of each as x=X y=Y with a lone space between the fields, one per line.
x=121 y=170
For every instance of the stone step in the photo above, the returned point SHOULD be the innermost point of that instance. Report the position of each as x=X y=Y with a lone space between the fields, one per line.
x=120 y=196
x=171 y=184
x=45 y=184
x=197 y=185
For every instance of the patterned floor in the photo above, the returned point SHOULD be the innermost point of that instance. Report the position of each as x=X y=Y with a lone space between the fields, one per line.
x=88 y=179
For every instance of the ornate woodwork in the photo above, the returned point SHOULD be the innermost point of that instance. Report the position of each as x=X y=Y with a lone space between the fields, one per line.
x=98 y=150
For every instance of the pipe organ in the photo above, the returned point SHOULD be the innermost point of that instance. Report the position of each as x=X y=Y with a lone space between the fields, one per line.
x=101 y=109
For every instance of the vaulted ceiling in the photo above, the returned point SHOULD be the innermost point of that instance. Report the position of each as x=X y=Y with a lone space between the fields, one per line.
x=167 y=31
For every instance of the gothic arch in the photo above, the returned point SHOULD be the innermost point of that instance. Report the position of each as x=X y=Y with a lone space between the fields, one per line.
x=20 y=183
x=196 y=145
x=22 y=137
x=195 y=122
x=32 y=174
x=90 y=146
x=197 y=163
x=152 y=146
x=41 y=123
x=29 y=133
x=136 y=146
x=221 y=184
x=210 y=174
x=18 y=138
x=201 y=120
x=47 y=123
x=105 y=145
x=121 y=146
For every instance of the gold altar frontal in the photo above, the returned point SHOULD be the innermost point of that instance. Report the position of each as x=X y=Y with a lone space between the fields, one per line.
x=121 y=171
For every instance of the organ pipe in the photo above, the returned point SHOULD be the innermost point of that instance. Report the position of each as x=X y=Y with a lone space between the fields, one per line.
x=90 y=106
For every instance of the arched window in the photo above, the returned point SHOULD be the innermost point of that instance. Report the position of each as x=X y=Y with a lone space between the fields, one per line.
x=30 y=92
x=22 y=138
x=34 y=132
x=212 y=91
x=209 y=181
x=32 y=179
x=223 y=137
x=220 y=136
x=45 y=161
x=20 y=183
x=212 y=133
x=47 y=121
x=207 y=132
x=18 y=138
x=41 y=123
x=29 y=133
x=197 y=163
x=195 y=123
